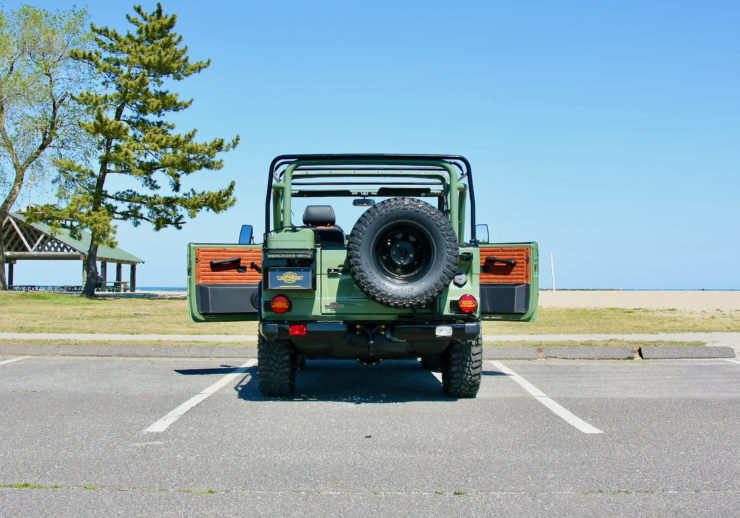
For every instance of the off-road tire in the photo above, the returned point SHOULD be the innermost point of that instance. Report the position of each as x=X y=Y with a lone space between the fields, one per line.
x=275 y=368
x=462 y=368
x=416 y=267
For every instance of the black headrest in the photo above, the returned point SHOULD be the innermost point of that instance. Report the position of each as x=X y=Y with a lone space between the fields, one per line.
x=319 y=215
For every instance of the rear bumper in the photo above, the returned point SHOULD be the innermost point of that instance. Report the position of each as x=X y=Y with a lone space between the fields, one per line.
x=371 y=340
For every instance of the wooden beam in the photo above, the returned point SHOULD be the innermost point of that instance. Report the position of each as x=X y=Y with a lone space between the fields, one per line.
x=38 y=241
x=58 y=256
x=117 y=261
x=132 y=280
x=20 y=234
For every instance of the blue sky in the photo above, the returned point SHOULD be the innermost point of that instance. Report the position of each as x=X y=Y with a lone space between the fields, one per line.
x=609 y=132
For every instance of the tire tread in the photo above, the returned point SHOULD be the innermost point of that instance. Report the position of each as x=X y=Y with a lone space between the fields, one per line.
x=275 y=368
x=463 y=368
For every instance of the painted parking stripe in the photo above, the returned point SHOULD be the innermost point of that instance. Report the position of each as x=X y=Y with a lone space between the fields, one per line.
x=732 y=361
x=553 y=406
x=14 y=360
x=177 y=413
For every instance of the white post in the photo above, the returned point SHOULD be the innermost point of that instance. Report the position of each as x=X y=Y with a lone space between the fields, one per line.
x=552 y=269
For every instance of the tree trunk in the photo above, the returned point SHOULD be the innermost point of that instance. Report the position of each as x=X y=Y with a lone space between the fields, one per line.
x=4 y=212
x=10 y=198
x=3 y=282
x=91 y=270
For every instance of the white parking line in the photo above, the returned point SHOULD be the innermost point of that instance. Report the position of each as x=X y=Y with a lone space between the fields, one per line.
x=540 y=396
x=177 y=413
x=14 y=360
x=732 y=361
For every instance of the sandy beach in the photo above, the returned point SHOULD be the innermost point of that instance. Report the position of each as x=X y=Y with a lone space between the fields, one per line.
x=679 y=300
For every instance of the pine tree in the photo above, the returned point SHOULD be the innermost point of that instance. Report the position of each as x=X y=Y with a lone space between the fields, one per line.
x=134 y=139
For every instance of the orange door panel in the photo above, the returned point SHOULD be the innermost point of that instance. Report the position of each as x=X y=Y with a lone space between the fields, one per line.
x=223 y=281
x=215 y=265
x=496 y=265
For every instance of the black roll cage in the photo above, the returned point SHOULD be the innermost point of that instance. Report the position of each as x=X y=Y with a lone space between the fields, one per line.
x=458 y=161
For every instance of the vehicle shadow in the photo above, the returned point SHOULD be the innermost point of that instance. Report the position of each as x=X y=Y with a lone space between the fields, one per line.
x=493 y=373
x=348 y=381
x=224 y=369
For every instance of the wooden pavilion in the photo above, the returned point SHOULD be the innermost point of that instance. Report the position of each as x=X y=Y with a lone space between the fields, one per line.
x=36 y=242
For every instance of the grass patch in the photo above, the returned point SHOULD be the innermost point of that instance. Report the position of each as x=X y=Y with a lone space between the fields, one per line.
x=56 y=313
x=618 y=321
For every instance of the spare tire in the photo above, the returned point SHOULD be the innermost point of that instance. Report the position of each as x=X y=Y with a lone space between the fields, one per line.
x=402 y=253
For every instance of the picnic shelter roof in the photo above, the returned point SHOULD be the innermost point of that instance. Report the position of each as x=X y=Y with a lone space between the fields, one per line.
x=25 y=240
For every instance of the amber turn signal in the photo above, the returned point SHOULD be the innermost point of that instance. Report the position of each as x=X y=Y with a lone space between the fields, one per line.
x=280 y=304
x=467 y=304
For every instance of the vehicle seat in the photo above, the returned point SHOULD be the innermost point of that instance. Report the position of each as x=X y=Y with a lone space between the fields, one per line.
x=321 y=219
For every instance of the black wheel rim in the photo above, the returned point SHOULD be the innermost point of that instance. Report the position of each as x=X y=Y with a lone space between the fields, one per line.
x=403 y=252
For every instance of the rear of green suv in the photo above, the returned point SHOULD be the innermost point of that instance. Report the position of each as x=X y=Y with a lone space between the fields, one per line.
x=410 y=280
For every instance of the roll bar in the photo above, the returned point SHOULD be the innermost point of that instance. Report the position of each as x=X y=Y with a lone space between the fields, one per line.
x=366 y=158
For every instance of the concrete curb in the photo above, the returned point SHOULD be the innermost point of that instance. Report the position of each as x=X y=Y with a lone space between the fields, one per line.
x=652 y=352
x=131 y=351
x=588 y=353
x=489 y=353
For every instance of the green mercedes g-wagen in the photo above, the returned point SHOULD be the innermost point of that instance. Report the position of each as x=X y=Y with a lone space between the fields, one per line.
x=410 y=280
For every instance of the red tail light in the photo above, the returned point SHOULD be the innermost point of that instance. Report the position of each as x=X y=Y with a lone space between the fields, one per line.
x=297 y=329
x=280 y=304
x=467 y=304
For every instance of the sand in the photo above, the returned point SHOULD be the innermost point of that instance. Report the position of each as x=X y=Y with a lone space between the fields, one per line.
x=680 y=300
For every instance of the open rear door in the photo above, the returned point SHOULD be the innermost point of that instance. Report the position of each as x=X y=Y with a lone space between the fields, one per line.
x=509 y=281
x=223 y=281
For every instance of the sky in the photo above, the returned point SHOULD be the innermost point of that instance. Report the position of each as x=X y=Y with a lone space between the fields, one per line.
x=608 y=132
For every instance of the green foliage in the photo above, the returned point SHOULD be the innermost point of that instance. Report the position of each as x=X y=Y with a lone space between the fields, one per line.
x=38 y=118
x=135 y=141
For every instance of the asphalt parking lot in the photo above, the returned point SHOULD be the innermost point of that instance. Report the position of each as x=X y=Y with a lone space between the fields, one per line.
x=172 y=437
